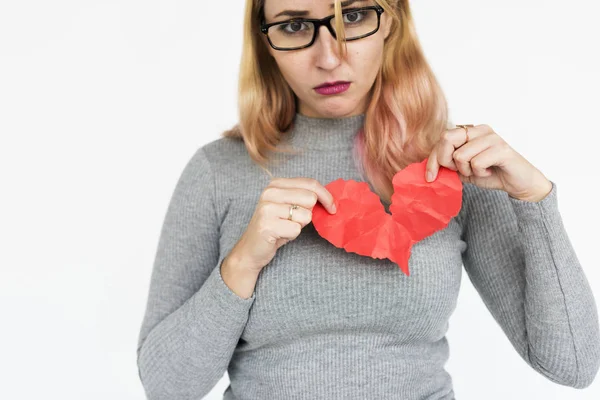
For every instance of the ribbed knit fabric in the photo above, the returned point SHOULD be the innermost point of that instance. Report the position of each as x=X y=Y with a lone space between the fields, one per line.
x=323 y=323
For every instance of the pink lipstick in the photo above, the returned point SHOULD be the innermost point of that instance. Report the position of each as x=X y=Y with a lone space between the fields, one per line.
x=328 y=88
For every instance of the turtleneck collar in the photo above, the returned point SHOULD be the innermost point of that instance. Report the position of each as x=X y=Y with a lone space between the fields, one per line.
x=324 y=133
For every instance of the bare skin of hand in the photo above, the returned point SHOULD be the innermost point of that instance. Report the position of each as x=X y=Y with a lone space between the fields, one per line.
x=270 y=228
x=487 y=161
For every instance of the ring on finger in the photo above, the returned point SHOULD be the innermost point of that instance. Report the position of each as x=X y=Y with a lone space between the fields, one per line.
x=466 y=128
x=292 y=208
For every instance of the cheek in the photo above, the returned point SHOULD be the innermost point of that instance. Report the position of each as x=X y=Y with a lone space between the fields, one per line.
x=292 y=69
x=366 y=60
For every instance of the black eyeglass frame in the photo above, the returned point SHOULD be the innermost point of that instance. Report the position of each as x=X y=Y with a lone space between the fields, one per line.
x=264 y=28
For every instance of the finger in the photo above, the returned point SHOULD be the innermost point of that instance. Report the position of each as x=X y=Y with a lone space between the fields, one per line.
x=464 y=154
x=434 y=163
x=323 y=195
x=474 y=131
x=482 y=162
x=302 y=197
x=283 y=229
x=432 y=167
x=451 y=140
x=301 y=215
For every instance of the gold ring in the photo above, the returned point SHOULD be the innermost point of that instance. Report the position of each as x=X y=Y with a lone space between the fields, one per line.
x=466 y=127
x=292 y=208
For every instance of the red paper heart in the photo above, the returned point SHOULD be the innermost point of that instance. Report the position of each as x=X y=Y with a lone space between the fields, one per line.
x=418 y=209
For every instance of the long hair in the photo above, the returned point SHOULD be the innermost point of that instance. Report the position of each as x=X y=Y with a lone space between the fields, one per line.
x=406 y=115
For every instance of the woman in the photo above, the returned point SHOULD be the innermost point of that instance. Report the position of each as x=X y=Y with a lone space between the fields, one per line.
x=243 y=283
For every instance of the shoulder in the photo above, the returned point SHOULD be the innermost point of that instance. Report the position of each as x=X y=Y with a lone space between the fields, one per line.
x=224 y=150
x=226 y=165
x=216 y=155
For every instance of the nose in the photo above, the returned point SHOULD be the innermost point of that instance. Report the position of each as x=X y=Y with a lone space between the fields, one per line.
x=328 y=56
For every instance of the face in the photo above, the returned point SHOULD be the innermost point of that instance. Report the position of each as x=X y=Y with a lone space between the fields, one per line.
x=305 y=69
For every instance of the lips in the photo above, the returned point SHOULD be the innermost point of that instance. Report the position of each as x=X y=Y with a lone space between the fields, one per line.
x=330 y=84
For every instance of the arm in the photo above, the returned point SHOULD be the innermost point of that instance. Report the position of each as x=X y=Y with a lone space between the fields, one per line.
x=522 y=264
x=193 y=320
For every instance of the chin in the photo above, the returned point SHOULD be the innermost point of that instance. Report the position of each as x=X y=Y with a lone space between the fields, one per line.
x=338 y=110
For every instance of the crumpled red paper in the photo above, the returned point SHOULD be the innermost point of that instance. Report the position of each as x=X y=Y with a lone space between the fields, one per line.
x=418 y=209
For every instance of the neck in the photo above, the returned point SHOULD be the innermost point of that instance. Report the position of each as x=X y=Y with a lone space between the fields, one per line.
x=319 y=133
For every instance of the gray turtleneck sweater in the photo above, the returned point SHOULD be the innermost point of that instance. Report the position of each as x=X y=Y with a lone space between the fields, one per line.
x=323 y=323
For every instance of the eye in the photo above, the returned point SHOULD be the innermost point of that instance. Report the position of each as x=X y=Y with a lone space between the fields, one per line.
x=354 y=17
x=296 y=27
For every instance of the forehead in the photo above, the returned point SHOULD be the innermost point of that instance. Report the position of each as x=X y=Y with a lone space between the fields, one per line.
x=297 y=4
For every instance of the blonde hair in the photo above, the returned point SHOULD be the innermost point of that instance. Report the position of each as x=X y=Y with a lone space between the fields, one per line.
x=406 y=115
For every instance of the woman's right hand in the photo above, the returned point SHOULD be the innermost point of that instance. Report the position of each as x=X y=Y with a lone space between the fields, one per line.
x=269 y=227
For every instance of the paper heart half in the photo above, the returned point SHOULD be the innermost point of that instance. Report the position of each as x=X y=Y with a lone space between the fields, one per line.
x=418 y=209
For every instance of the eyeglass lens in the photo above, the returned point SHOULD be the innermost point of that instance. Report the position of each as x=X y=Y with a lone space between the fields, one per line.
x=300 y=33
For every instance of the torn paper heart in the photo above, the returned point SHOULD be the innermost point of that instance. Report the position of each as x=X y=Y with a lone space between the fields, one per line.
x=418 y=209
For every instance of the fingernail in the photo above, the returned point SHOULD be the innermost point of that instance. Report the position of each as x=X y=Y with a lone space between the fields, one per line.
x=334 y=208
x=429 y=176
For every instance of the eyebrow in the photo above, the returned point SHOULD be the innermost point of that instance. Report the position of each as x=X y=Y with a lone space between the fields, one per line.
x=302 y=13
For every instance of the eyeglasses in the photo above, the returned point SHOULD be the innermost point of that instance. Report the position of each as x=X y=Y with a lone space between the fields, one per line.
x=299 y=33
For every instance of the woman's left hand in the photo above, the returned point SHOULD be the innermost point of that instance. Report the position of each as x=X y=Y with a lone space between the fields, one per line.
x=487 y=161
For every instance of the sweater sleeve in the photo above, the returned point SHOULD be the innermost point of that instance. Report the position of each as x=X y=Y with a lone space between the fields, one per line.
x=520 y=260
x=193 y=320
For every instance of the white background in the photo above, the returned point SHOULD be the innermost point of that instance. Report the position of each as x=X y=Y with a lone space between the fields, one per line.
x=103 y=102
